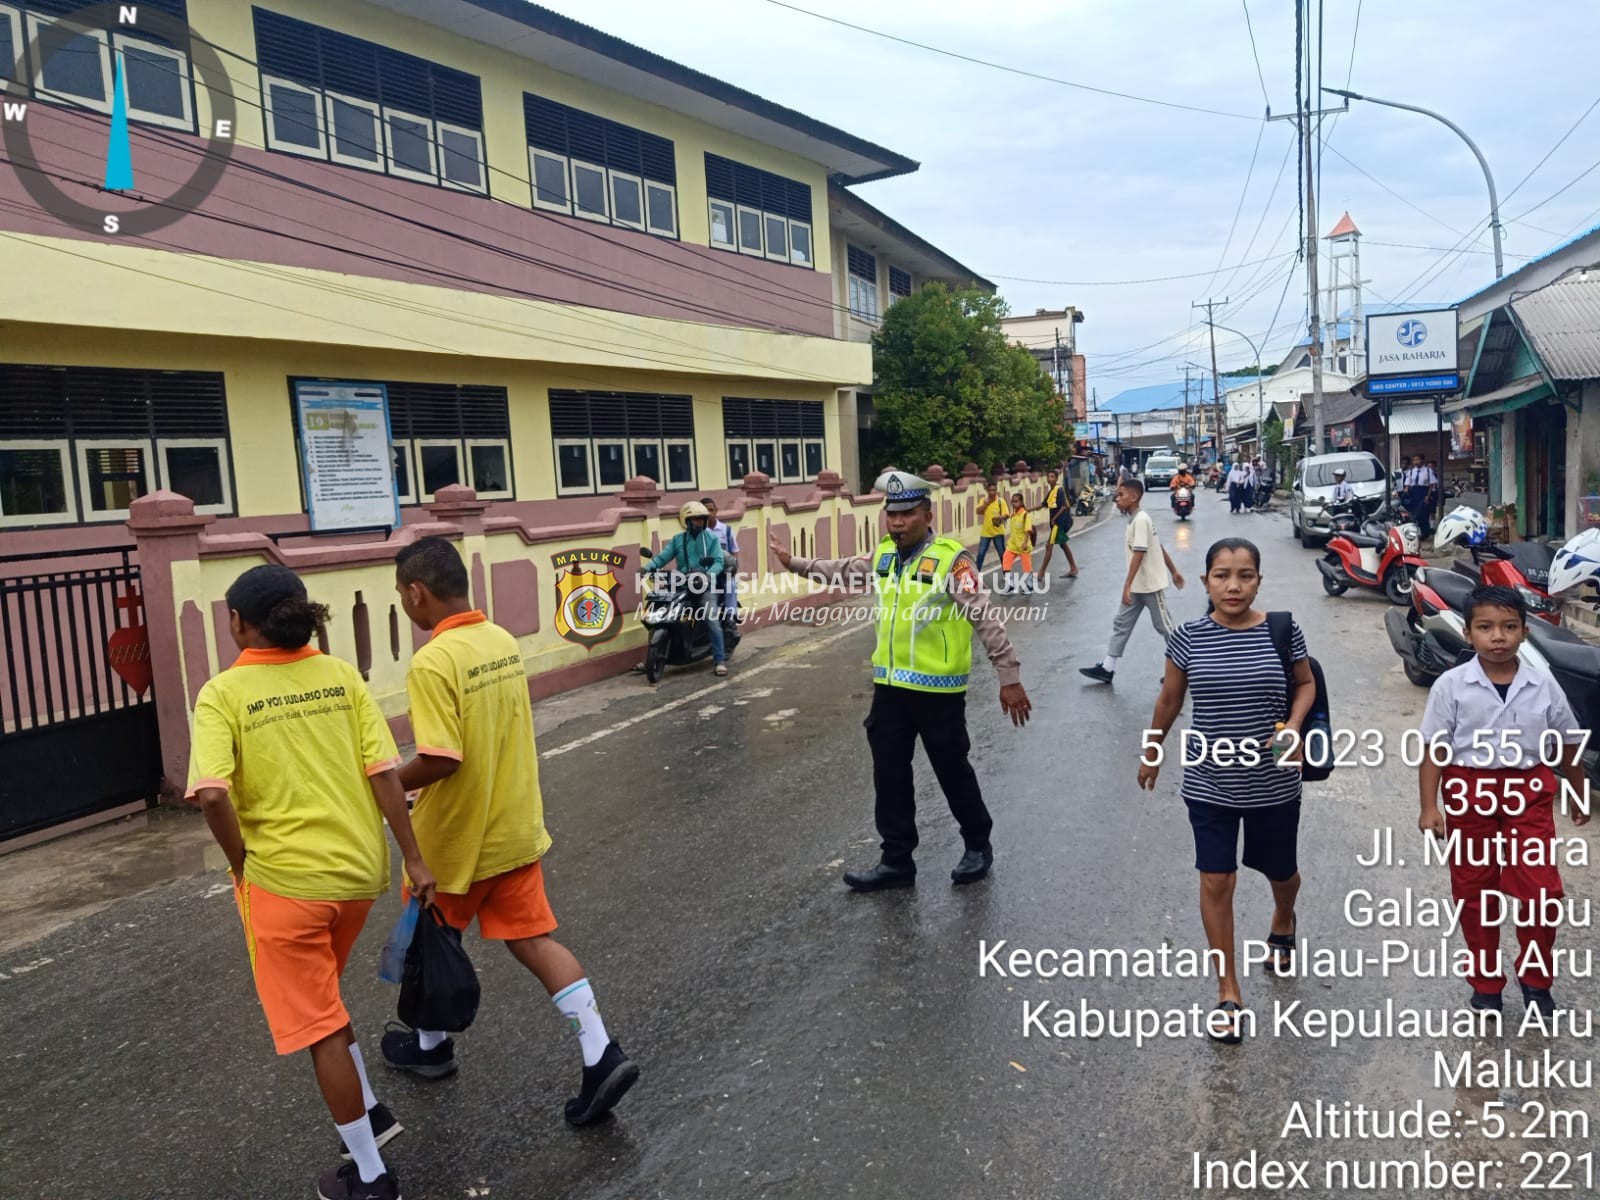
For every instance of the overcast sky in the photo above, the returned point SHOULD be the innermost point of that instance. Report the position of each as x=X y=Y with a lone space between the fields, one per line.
x=1028 y=179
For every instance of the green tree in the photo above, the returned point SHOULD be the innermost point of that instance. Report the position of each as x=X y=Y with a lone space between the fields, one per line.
x=951 y=389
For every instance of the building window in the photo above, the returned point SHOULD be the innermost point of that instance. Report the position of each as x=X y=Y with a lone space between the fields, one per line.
x=759 y=213
x=11 y=43
x=332 y=96
x=83 y=443
x=863 y=276
x=612 y=172
x=445 y=433
x=783 y=439
x=602 y=439
x=74 y=49
x=157 y=80
x=73 y=66
x=899 y=284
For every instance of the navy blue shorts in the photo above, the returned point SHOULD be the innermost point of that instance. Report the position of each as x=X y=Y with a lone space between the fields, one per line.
x=1271 y=837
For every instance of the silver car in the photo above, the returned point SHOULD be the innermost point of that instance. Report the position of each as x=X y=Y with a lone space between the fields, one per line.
x=1159 y=470
x=1313 y=490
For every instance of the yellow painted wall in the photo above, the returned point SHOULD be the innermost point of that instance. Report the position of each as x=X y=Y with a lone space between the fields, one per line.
x=505 y=77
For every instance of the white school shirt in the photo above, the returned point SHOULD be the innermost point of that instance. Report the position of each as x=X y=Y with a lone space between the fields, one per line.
x=1342 y=492
x=1419 y=477
x=1463 y=703
x=1152 y=574
x=1238 y=473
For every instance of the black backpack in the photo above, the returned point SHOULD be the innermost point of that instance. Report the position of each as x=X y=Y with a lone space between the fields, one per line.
x=1317 y=732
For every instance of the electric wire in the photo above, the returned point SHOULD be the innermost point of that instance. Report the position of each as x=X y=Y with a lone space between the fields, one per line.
x=1266 y=99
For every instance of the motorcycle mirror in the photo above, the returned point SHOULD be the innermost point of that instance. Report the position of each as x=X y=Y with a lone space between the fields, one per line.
x=646 y=553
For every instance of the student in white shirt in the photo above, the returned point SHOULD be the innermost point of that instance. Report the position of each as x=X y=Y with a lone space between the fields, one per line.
x=1240 y=485
x=1150 y=569
x=1502 y=727
x=1417 y=486
x=1343 y=493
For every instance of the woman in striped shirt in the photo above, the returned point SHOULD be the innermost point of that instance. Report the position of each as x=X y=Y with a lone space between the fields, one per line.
x=1228 y=661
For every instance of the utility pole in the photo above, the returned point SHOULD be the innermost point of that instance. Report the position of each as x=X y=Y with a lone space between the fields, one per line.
x=1216 y=390
x=1185 y=436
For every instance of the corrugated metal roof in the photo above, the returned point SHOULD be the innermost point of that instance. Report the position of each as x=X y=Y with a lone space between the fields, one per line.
x=1157 y=396
x=1563 y=323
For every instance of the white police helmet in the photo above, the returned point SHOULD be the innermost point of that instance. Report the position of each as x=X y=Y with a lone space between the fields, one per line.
x=1577 y=562
x=1464 y=524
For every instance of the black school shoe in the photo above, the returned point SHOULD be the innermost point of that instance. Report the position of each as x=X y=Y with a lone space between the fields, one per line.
x=974 y=865
x=1541 y=999
x=880 y=876
x=403 y=1051
x=1486 y=1001
x=385 y=1128
x=604 y=1084
x=1098 y=673
x=344 y=1183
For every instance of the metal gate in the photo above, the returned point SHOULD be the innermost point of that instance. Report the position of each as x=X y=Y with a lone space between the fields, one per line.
x=78 y=731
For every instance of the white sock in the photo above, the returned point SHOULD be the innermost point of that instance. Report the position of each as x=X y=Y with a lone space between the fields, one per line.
x=363 y=1148
x=577 y=1006
x=367 y=1097
x=1109 y=662
x=427 y=1039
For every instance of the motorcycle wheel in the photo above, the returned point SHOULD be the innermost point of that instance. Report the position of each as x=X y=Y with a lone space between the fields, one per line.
x=1416 y=674
x=1331 y=587
x=1398 y=585
x=655 y=659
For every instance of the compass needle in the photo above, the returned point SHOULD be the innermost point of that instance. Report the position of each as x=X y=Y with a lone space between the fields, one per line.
x=119 y=155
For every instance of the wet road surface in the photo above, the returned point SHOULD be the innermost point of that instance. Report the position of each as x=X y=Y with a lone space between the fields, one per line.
x=796 y=1040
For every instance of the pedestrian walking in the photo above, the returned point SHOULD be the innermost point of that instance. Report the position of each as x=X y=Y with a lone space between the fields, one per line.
x=1499 y=795
x=1229 y=664
x=480 y=815
x=1416 y=491
x=992 y=514
x=1150 y=570
x=1239 y=485
x=1019 y=546
x=293 y=765
x=728 y=581
x=931 y=604
x=1058 y=510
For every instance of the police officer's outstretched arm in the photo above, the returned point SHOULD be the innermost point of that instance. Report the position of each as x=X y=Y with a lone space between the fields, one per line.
x=828 y=570
x=966 y=588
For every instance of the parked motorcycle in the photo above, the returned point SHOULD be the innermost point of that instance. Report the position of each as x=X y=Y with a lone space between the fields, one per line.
x=1366 y=559
x=1522 y=566
x=1183 y=502
x=1431 y=636
x=1087 y=500
x=678 y=634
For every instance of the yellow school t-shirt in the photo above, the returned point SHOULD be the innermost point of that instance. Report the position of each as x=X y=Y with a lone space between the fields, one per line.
x=293 y=735
x=469 y=702
x=1018 y=526
x=994 y=516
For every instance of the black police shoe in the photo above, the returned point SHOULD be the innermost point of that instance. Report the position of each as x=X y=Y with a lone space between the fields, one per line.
x=881 y=876
x=974 y=865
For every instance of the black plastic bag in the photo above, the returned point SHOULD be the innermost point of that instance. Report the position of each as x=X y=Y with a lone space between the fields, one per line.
x=439 y=990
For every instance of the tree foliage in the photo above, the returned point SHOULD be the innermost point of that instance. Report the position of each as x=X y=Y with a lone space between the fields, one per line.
x=951 y=389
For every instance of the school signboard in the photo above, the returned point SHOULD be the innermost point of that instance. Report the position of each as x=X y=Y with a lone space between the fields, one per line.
x=1413 y=353
x=345 y=460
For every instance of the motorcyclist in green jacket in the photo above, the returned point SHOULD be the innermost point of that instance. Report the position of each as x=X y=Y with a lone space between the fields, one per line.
x=698 y=552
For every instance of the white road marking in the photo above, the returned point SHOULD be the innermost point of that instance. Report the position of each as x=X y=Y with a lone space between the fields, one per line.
x=709 y=711
x=807 y=647
x=758 y=694
x=783 y=714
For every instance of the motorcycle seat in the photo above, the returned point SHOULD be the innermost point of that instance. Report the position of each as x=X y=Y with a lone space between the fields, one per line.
x=1453 y=589
x=1565 y=649
x=1363 y=539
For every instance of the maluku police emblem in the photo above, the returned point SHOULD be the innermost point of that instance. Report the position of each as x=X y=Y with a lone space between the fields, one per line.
x=587 y=612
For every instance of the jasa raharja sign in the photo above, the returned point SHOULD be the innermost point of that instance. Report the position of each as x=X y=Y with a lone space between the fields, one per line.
x=1413 y=352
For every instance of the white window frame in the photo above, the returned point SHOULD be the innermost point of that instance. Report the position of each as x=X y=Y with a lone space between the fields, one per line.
x=220 y=445
x=481 y=188
x=861 y=284
x=611 y=439
x=755 y=456
x=122 y=41
x=511 y=482
x=587 y=489
x=36 y=25
x=418 y=484
x=761 y=228
x=810 y=259
x=535 y=153
x=822 y=452
x=672 y=208
x=799 y=459
x=727 y=464
x=733 y=224
x=579 y=164
x=767 y=220
x=268 y=82
x=13 y=17
x=666 y=463
x=409 y=496
x=612 y=176
x=63 y=450
x=379 y=147
x=81 y=450
x=633 y=457
x=404 y=172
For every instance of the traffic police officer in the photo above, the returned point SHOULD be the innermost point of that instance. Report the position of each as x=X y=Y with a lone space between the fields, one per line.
x=931 y=604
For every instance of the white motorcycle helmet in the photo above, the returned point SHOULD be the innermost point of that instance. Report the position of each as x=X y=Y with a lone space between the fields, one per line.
x=1462 y=523
x=1577 y=562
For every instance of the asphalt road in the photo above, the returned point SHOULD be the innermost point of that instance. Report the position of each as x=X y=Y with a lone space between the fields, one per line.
x=798 y=1040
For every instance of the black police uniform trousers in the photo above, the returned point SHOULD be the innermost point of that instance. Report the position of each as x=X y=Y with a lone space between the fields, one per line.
x=897 y=718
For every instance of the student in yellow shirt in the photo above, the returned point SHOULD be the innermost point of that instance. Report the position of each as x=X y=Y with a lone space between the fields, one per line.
x=480 y=817
x=294 y=768
x=1019 y=546
x=992 y=512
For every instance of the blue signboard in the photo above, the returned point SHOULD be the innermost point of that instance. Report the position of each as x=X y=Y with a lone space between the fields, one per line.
x=1415 y=383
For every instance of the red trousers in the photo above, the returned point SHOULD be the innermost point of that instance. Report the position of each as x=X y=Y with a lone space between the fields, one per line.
x=1476 y=803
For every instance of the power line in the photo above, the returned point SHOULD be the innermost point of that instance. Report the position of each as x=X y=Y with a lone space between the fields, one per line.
x=1262 y=219
x=1253 y=54
x=1564 y=187
x=1570 y=130
x=1125 y=282
x=1233 y=226
x=1022 y=71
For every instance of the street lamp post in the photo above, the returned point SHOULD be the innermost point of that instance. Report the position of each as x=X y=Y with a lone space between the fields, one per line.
x=1494 y=200
x=1260 y=406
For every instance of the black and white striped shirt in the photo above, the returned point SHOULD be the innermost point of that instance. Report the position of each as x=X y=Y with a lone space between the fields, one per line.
x=1237 y=683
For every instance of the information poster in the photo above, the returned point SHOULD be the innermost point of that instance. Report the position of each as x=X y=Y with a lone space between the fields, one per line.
x=345 y=455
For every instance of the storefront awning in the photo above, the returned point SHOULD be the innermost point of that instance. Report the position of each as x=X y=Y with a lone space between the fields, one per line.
x=1412 y=418
x=1519 y=393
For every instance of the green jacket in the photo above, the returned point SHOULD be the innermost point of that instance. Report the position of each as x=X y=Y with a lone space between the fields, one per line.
x=701 y=552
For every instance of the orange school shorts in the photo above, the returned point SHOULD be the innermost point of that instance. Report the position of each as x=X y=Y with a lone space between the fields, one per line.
x=509 y=907
x=298 y=949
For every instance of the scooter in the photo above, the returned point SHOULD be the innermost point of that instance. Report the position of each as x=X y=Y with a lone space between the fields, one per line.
x=1524 y=567
x=1183 y=503
x=678 y=634
x=1364 y=559
x=1431 y=636
x=1087 y=499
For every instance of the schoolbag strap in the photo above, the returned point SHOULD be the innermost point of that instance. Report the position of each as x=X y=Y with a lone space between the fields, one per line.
x=1281 y=626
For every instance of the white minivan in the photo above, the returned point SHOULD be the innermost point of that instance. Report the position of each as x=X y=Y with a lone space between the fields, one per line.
x=1159 y=470
x=1313 y=489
